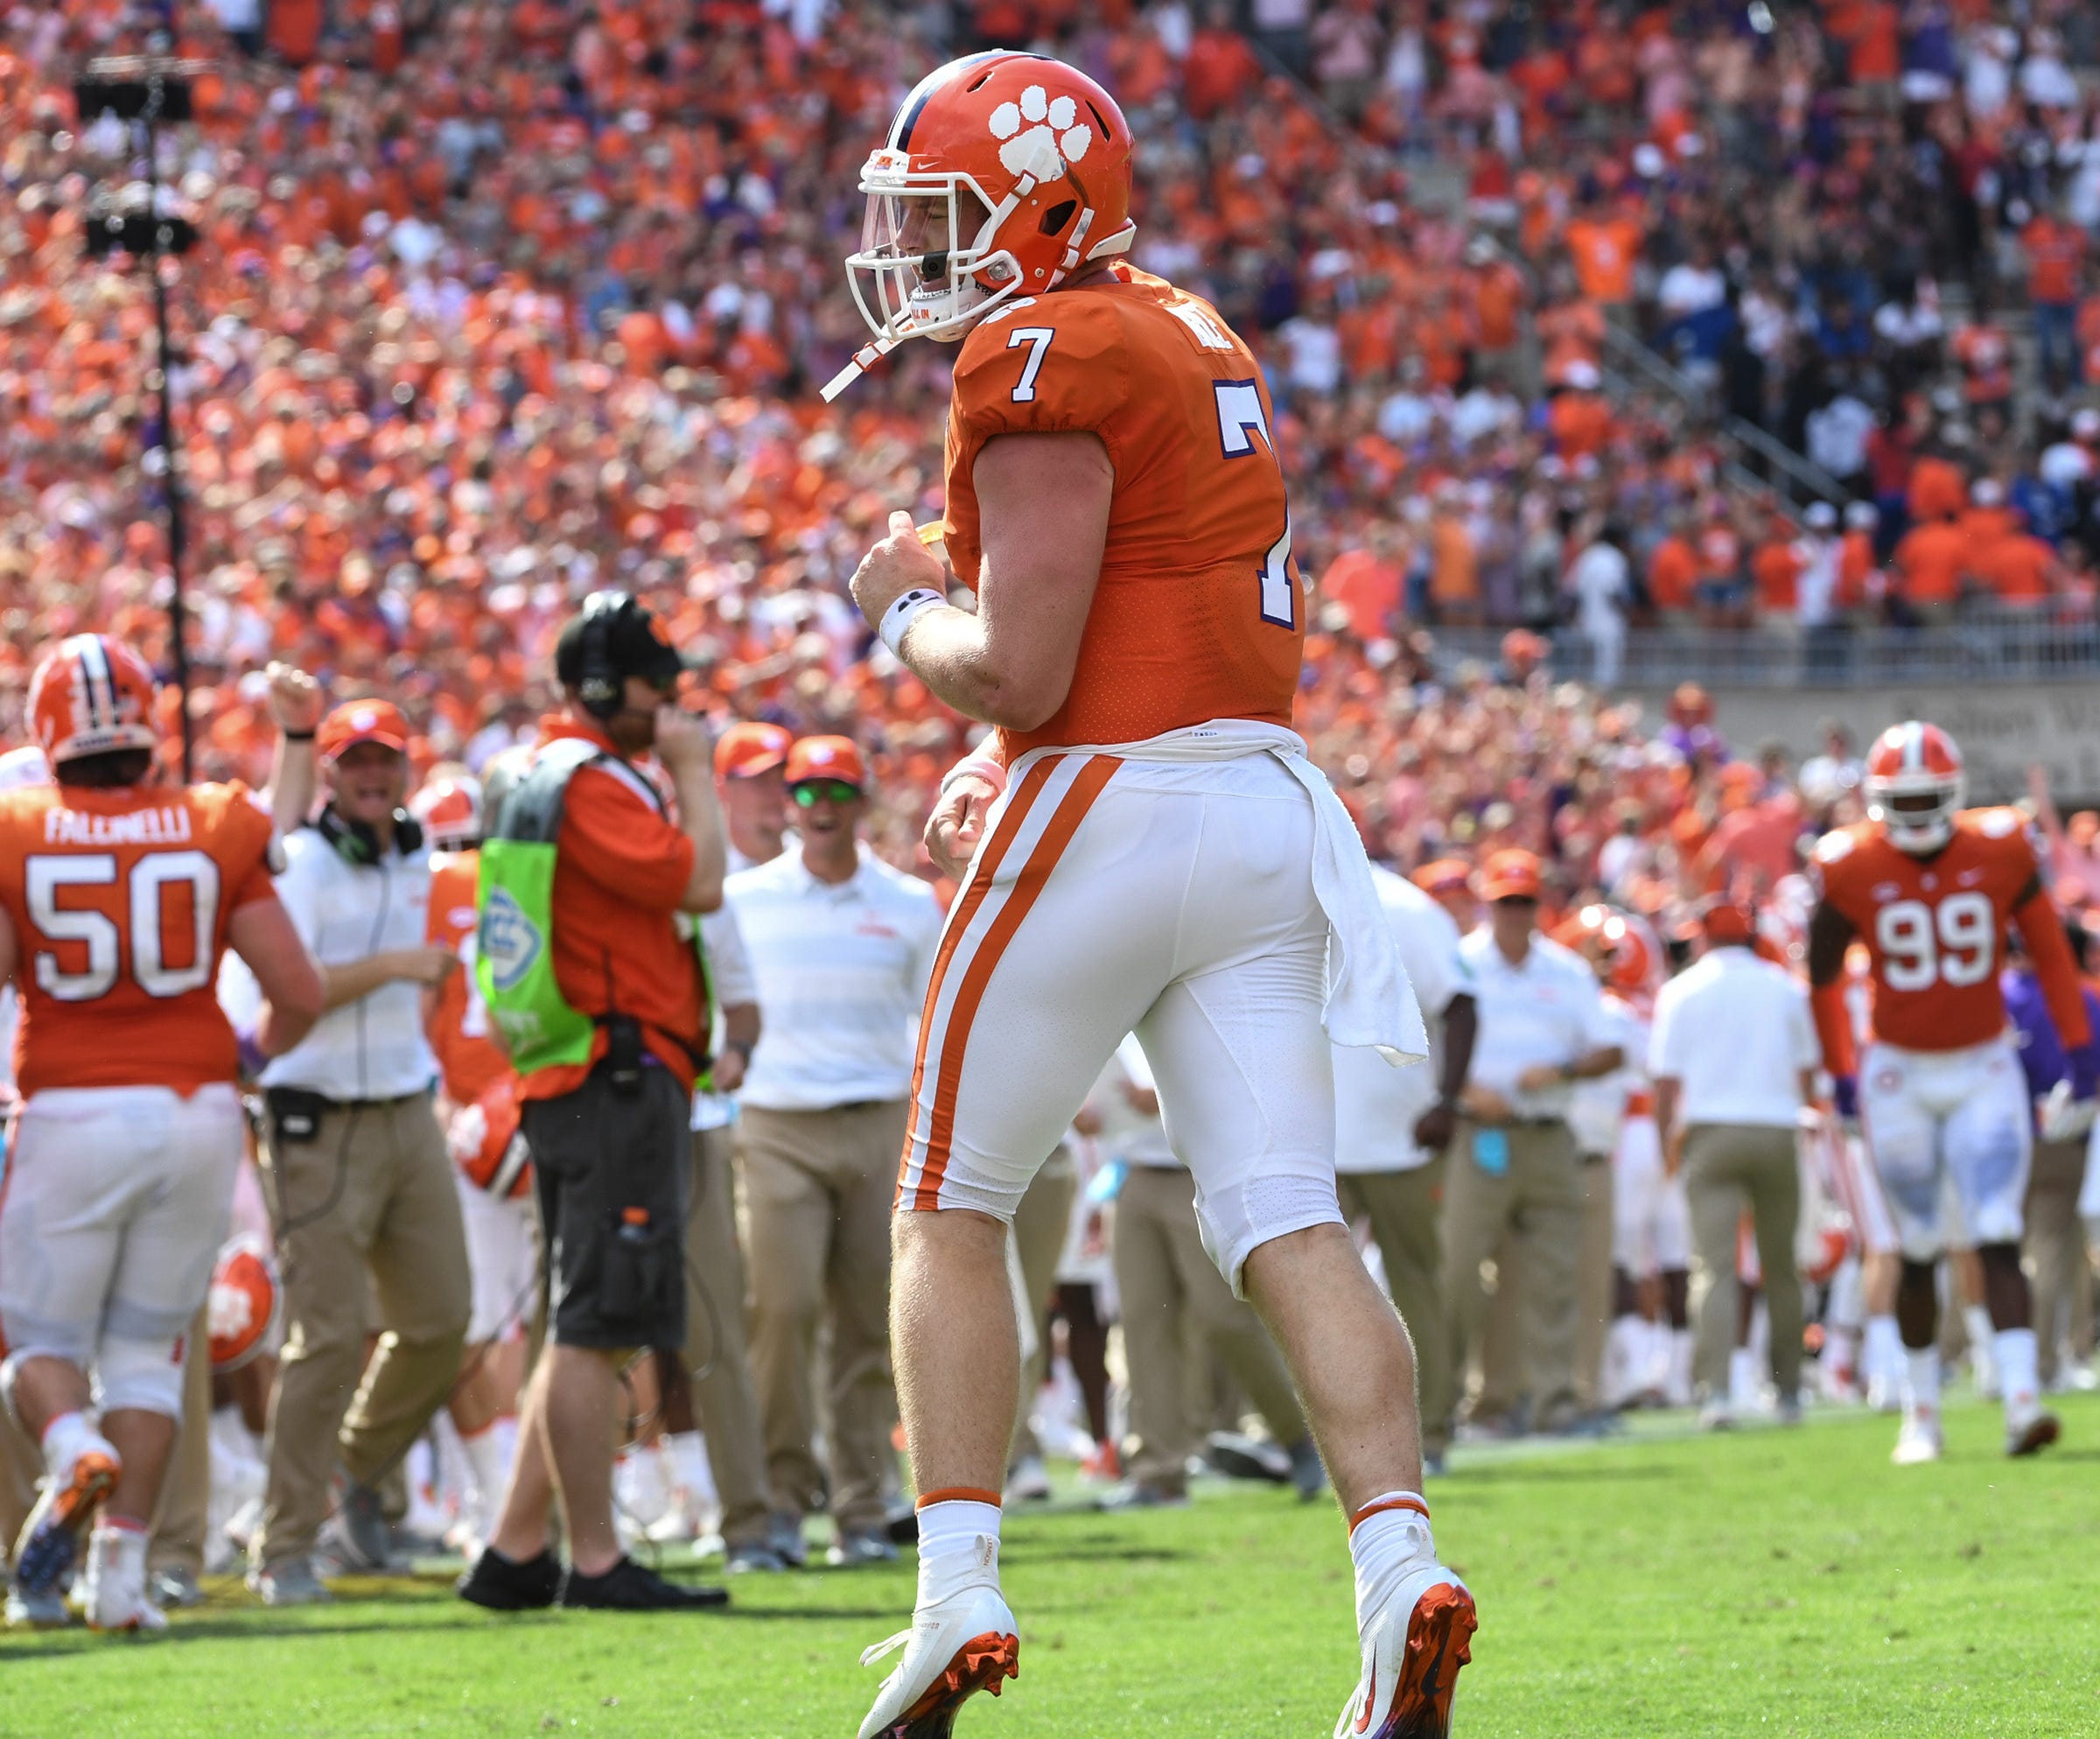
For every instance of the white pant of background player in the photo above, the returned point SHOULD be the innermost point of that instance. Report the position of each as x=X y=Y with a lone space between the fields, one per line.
x=116 y=1204
x=1958 y=1117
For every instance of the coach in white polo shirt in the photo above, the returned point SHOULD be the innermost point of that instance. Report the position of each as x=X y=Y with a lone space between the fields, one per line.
x=1733 y=1054
x=1391 y=1128
x=1541 y=1029
x=841 y=947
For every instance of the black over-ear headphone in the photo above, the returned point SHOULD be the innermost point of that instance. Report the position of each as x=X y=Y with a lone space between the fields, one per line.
x=357 y=842
x=600 y=684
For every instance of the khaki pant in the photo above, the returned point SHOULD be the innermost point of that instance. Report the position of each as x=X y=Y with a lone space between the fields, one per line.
x=817 y=1189
x=2055 y=1241
x=370 y=1201
x=1404 y=1209
x=186 y=1489
x=718 y=1346
x=1040 y=1225
x=1164 y=1272
x=1593 y=1279
x=1729 y=1167
x=1538 y=1199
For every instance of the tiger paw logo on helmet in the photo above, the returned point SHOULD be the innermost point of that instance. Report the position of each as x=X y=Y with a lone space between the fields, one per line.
x=1044 y=150
x=1003 y=175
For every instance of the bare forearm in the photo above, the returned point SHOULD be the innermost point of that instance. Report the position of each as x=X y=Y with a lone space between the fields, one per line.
x=277 y=1031
x=1666 y=1103
x=1461 y=1025
x=1601 y=1062
x=740 y=1025
x=292 y=784
x=700 y=820
x=350 y=979
x=949 y=651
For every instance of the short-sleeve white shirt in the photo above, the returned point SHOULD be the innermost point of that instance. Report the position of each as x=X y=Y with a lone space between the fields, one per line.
x=1735 y=1031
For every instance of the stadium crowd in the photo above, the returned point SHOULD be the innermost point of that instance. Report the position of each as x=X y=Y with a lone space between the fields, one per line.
x=498 y=305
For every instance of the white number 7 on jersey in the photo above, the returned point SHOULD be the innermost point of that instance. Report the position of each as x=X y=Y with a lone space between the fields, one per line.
x=1038 y=341
x=1239 y=411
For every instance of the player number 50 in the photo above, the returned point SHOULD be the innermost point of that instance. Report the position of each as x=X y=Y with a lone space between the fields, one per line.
x=1952 y=943
x=46 y=878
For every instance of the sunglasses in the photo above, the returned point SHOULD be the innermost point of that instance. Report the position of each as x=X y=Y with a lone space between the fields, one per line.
x=811 y=792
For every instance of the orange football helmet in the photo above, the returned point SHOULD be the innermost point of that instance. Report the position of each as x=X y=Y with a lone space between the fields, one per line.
x=487 y=1144
x=1909 y=762
x=91 y=695
x=244 y=1305
x=1616 y=944
x=1002 y=174
x=449 y=811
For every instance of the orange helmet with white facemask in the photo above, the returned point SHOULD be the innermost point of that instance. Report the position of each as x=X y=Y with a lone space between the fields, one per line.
x=91 y=695
x=450 y=812
x=1618 y=945
x=1918 y=767
x=1002 y=175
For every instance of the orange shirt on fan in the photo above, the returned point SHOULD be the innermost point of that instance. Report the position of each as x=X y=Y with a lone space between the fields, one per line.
x=468 y=1060
x=1934 y=927
x=620 y=869
x=1604 y=253
x=120 y=900
x=1198 y=612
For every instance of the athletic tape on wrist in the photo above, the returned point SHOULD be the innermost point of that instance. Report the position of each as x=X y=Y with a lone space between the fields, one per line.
x=977 y=766
x=902 y=612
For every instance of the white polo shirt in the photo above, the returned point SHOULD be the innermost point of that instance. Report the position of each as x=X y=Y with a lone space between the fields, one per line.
x=374 y=1047
x=841 y=970
x=1735 y=1031
x=1376 y=1104
x=1548 y=1010
x=728 y=973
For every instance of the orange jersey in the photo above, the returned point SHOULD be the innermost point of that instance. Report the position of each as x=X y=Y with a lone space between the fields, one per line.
x=1199 y=612
x=467 y=1058
x=119 y=902
x=1934 y=927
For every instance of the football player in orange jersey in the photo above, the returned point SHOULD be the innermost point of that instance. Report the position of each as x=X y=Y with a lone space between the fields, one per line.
x=118 y=897
x=478 y=1107
x=1160 y=857
x=1929 y=889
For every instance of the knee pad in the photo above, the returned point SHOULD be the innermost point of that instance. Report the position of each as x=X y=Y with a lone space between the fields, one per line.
x=144 y=1375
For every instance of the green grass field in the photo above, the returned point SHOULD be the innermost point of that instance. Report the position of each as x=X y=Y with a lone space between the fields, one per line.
x=1767 y=1583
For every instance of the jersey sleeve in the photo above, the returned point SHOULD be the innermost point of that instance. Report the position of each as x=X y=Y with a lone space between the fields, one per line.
x=1838 y=868
x=620 y=839
x=245 y=844
x=1048 y=365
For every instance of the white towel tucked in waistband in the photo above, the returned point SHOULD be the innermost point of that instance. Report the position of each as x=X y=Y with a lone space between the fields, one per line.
x=1369 y=1000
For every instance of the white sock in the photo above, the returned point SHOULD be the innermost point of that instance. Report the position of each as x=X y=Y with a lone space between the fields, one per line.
x=1742 y=1379
x=1883 y=1349
x=1841 y=1352
x=1975 y=1323
x=1387 y=1538
x=958 y=1547
x=488 y=1467
x=2018 y=1379
x=1678 y=1389
x=64 y=1440
x=692 y=1470
x=117 y=1571
x=1921 y=1384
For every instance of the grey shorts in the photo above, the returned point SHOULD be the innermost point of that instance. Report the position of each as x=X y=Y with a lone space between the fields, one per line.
x=613 y=1173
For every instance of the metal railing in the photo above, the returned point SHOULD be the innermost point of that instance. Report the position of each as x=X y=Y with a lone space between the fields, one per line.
x=1992 y=645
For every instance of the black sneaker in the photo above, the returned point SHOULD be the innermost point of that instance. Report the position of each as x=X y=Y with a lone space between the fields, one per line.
x=629 y=1587
x=504 y=1585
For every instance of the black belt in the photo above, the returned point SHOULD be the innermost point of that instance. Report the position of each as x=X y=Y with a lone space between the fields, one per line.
x=324 y=1102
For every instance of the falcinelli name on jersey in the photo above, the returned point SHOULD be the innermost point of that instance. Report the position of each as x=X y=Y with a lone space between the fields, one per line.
x=167 y=825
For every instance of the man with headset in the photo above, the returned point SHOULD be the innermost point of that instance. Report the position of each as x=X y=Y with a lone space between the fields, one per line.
x=590 y=961
x=361 y=1185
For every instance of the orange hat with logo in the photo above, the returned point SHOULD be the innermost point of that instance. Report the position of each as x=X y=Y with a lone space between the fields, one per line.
x=751 y=747
x=1445 y=875
x=826 y=757
x=363 y=722
x=1510 y=875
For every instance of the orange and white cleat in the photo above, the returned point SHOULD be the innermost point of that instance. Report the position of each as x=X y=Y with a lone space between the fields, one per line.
x=955 y=1648
x=1412 y=1650
x=51 y=1536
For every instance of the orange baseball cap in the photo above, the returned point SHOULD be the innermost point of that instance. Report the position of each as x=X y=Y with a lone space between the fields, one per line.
x=1445 y=875
x=1725 y=922
x=1510 y=875
x=363 y=722
x=751 y=747
x=826 y=757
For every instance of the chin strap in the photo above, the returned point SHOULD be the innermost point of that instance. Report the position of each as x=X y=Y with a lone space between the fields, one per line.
x=862 y=359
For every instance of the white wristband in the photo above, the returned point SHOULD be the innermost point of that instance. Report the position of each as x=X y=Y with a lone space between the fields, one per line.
x=902 y=612
x=977 y=766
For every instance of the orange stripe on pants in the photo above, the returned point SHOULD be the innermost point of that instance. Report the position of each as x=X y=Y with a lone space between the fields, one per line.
x=1010 y=828
x=1027 y=889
